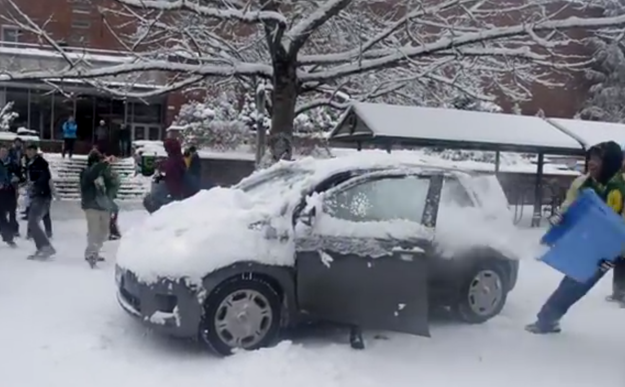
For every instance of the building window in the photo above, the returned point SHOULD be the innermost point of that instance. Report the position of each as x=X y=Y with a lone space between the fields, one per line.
x=10 y=34
x=81 y=24
x=81 y=9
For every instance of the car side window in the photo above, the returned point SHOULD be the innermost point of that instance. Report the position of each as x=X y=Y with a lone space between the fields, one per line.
x=382 y=199
x=454 y=194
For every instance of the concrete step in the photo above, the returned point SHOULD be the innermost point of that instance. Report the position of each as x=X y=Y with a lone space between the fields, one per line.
x=75 y=181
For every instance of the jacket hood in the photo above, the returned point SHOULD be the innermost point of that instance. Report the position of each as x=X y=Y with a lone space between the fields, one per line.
x=172 y=147
x=611 y=159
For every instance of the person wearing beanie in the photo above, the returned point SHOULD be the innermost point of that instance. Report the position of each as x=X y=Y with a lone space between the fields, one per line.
x=40 y=197
x=98 y=188
x=604 y=176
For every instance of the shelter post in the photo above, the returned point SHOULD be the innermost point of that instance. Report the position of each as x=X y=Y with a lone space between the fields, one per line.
x=538 y=191
x=497 y=161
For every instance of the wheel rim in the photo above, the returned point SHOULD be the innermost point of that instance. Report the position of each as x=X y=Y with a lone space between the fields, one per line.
x=485 y=292
x=243 y=319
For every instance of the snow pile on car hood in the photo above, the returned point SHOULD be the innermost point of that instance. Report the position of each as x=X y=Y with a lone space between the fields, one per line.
x=211 y=230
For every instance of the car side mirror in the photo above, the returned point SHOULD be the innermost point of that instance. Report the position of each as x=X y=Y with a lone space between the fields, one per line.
x=307 y=216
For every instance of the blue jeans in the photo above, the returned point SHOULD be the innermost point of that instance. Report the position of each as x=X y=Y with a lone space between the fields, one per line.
x=566 y=295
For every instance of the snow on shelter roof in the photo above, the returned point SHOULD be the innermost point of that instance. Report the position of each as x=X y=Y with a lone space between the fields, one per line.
x=590 y=133
x=450 y=128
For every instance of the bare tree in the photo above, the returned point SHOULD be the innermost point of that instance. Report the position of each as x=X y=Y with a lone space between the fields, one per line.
x=320 y=52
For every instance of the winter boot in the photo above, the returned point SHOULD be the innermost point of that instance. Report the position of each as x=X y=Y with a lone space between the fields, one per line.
x=92 y=260
x=540 y=328
x=45 y=253
x=617 y=299
x=355 y=338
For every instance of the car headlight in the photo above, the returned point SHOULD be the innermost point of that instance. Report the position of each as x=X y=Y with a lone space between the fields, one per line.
x=119 y=274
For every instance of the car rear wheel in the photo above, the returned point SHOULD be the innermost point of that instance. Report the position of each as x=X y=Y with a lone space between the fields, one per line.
x=482 y=294
x=241 y=314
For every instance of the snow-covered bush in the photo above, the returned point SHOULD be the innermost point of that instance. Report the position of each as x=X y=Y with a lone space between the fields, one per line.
x=319 y=120
x=228 y=121
x=213 y=124
x=7 y=116
x=607 y=93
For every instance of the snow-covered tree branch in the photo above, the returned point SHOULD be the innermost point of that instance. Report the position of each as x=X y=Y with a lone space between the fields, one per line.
x=7 y=116
x=328 y=52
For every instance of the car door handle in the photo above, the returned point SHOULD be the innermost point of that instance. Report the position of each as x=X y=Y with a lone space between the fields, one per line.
x=408 y=255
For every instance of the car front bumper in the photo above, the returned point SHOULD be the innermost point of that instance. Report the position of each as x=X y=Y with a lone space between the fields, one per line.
x=168 y=306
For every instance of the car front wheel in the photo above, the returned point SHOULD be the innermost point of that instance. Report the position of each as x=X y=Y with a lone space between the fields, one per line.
x=482 y=294
x=241 y=314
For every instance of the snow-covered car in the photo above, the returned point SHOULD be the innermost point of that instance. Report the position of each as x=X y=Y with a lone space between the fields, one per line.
x=369 y=240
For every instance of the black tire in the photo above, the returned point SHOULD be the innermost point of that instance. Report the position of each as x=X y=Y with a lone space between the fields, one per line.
x=463 y=308
x=208 y=334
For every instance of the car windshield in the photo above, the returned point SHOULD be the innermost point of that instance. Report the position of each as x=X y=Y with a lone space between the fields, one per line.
x=282 y=180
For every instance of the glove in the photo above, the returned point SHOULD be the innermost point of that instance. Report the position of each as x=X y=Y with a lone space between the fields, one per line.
x=556 y=218
x=606 y=265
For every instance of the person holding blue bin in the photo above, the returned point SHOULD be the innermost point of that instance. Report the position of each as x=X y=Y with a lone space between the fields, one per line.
x=606 y=179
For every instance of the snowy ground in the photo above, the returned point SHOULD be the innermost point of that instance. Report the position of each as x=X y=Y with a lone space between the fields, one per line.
x=61 y=327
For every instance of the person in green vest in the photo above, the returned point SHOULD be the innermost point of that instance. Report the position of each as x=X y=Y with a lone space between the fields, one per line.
x=606 y=179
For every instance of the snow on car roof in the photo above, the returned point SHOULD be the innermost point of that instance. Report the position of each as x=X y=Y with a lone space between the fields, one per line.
x=322 y=168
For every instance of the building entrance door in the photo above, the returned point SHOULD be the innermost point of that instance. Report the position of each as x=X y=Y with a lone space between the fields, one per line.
x=149 y=132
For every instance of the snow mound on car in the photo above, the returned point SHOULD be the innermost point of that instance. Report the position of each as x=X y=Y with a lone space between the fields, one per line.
x=192 y=238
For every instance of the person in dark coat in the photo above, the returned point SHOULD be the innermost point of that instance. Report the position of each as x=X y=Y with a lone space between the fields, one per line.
x=40 y=193
x=606 y=179
x=9 y=177
x=124 y=140
x=174 y=169
x=102 y=137
x=16 y=158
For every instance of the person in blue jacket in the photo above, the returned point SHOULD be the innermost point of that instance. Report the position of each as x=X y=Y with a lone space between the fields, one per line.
x=70 y=131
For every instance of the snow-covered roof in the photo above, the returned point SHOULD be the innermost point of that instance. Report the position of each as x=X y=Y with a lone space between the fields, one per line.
x=450 y=128
x=590 y=133
x=11 y=136
x=72 y=54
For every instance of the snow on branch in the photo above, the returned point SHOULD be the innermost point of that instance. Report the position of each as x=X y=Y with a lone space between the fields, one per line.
x=227 y=13
x=7 y=116
x=300 y=33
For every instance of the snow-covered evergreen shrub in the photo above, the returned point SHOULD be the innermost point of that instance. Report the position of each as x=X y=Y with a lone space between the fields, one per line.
x=7 y=116
x=228 y=121
x=213 y=124
x=607 y=93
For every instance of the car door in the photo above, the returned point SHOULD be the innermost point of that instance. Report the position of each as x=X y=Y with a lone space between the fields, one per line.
x=363 y=259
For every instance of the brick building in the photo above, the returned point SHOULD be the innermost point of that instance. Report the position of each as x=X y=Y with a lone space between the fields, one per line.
x=81 y=28
x=81 y=24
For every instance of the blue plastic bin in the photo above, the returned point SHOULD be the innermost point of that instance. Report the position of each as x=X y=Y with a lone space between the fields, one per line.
x=590 y=232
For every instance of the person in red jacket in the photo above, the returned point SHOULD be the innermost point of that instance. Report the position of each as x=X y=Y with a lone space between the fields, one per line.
x=174 y=168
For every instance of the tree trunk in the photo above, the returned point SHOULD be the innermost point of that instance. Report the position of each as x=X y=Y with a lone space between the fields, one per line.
x=284 y=97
